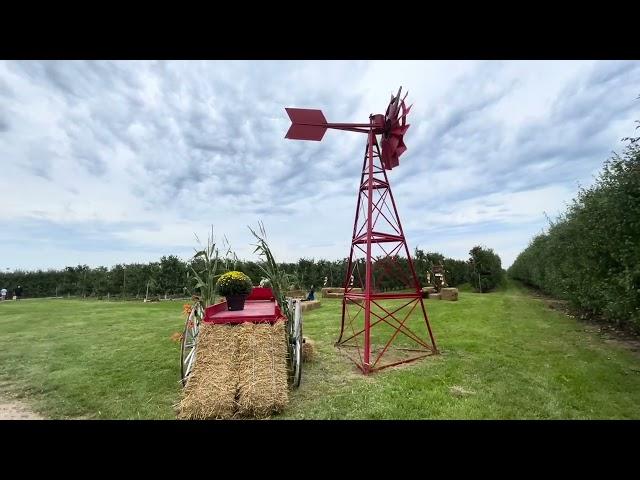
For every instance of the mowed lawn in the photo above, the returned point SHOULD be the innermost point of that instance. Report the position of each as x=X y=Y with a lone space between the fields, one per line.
x=505 y=355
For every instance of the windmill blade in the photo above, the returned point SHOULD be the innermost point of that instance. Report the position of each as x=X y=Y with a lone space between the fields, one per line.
x=306 y=124
x=396 y=103
x=402 y=118
x=399 y=131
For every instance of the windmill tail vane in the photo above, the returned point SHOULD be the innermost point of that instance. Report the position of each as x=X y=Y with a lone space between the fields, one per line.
x=379 y=261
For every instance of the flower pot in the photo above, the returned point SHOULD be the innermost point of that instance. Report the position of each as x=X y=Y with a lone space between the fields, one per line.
x=236 y=302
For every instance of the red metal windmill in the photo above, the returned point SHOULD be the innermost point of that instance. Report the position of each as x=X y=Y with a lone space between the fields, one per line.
x=378 y=246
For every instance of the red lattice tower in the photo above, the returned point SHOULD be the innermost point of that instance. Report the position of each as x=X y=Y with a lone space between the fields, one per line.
x=379 y=260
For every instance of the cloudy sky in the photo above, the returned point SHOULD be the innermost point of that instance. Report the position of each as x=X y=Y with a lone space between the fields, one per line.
x=106 y=162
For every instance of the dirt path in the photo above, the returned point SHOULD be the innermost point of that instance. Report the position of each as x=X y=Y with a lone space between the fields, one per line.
x=12 y=410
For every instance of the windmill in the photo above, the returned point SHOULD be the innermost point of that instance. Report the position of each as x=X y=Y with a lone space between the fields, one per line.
x=379 y=259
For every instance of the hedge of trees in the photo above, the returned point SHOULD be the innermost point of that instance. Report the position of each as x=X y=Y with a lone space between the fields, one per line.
x=485 y=269
x=169 y=276
x=590 y=255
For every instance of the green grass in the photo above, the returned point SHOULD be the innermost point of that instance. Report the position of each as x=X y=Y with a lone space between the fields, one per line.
x=74 y=358
x=505 y=355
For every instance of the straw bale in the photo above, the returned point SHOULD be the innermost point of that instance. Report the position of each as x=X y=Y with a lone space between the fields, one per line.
x=449 y=294
x=309 y=305
x=308 y=350
x=262 y=369
x=211 y=389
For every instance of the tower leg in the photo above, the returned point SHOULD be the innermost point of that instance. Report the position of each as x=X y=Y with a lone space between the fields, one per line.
x=368 y=286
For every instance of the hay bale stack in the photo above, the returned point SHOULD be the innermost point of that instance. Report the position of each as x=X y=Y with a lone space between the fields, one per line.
x=337 y=292
x=262 y=369
x=334 y=295
x=309 y=305
x=211 y=390
x=355 y=300
x=308 y=350
x=329 y=292
x=450 y=294
x=434 y=296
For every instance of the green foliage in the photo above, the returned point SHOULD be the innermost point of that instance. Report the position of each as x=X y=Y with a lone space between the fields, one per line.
x=590 y=255
x=485 y=269
x=456 y=271
x=174 y=277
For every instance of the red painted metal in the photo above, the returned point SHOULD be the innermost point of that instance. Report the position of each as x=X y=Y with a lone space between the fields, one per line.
x=260 y=307
x=373 y=228
x=255 y=311
x=306 y=124
x=261 y=293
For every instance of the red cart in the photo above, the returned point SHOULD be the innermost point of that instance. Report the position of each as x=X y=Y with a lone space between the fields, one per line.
x=260 y=307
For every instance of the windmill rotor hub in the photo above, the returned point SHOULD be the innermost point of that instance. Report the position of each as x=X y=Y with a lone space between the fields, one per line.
x=378 y=123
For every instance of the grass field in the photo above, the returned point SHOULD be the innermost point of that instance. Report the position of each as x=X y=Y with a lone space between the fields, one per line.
x=505 y=355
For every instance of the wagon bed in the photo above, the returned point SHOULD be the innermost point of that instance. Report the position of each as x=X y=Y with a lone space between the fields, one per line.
x=255 y=311
x=260 y=307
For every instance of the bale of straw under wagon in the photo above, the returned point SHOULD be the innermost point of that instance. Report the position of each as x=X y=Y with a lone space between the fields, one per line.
x=239 y=371
x=262 y=369
x=212 y=386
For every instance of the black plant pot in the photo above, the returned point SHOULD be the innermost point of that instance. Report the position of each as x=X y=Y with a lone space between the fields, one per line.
x=236 y=302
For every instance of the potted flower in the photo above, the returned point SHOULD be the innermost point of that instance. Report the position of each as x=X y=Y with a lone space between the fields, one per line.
x=234 y=286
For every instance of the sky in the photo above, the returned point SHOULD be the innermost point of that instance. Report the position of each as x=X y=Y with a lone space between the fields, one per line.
x=107 y=162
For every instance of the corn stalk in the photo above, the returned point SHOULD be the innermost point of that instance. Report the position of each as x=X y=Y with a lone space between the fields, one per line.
x=279 y=279
x=205 y=279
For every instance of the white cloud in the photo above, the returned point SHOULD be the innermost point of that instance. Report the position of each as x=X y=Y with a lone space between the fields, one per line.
x=132 y=158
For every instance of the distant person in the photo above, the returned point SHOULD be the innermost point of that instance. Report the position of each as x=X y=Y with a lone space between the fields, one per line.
x=311 y=294
x=18 y=292
x=325 y=281
x=3 y=294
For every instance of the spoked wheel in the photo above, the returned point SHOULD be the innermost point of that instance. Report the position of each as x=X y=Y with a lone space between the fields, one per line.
x=190 y=341
x=295 y=345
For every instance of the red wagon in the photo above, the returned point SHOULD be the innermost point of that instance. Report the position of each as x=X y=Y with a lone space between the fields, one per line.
x=260 y=307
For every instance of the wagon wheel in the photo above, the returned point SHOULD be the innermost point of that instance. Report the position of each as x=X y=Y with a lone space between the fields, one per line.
x=189 y=341
x=295 y=346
